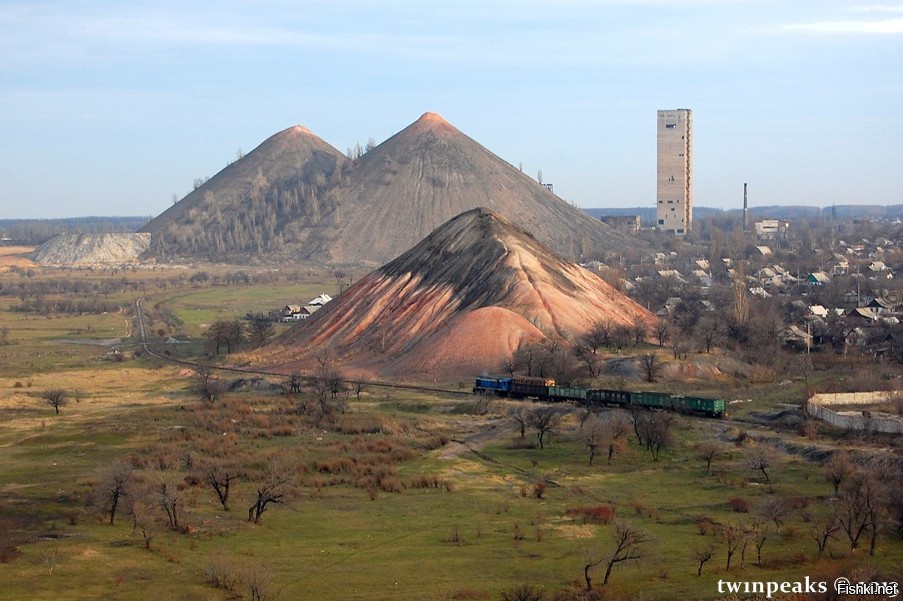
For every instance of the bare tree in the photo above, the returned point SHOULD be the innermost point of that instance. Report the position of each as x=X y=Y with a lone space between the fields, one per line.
x=662 y=332
x=521 y=415
x=652 y=429
x=259 y=583
x=758 y=457
x=593 y=435
x=734 y=537
x=650 y=365
x=260 y=329
x=629 y=546
x=207 y=385
x=114 y=484
x=220 y=477
x=707 y=330
x=145 y=520
x=757 y=532
x=708 y=450
x=607 y=434
x=227 y=334
x=774 y=510
x=56 y=398
x=702 y=555
x=824 y=531
x=838 y=468
x=273 y=490
x=545 y=421
x=168 y=498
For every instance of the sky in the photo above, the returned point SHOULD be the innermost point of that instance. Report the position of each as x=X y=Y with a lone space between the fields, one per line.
x=115 y=107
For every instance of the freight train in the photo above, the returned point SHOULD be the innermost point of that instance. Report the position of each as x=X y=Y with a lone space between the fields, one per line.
x=545 y=389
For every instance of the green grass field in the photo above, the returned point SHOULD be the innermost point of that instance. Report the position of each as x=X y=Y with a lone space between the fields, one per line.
x=358 y=522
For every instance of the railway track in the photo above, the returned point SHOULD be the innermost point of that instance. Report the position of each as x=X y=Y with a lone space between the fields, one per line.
x=146 y=347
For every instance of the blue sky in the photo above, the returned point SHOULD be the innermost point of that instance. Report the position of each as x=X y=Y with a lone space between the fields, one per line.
x=111 y=107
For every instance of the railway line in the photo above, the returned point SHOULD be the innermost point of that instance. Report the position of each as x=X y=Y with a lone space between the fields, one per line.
x=146 y=347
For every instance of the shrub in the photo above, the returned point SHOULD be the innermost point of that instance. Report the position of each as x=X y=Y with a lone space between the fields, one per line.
x=522 y=592
x=599 y=514
x=705 y=524
x=738 y=504
x=539 y=488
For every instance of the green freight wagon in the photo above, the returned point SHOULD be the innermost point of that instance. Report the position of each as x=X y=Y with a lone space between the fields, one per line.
x=565 y=393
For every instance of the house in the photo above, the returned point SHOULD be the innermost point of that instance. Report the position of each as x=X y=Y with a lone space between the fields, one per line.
x=862 y=316
x=764 y=251
x=319 y=301
x=795 y=338
x=705 y=279
x=291 y=312
x=881 y=306
x=309 y=310
x=818 y=278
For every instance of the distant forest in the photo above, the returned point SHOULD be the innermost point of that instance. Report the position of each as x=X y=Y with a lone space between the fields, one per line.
x=38 y=231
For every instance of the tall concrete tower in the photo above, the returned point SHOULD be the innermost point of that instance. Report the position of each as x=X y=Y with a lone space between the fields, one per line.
x=674 y=192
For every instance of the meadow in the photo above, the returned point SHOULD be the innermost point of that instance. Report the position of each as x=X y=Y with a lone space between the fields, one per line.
x=386 y=495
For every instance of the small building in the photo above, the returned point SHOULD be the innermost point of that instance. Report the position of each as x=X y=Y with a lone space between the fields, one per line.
x=627 y=224
x=818 y=278
x=770 y=229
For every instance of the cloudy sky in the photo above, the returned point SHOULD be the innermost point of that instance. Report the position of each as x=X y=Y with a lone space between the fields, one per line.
x=111 y=108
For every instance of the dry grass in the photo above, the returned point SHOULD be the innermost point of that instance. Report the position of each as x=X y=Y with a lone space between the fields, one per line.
x=15 y=256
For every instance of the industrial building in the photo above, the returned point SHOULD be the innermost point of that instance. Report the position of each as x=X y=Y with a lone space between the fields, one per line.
x=674 y=189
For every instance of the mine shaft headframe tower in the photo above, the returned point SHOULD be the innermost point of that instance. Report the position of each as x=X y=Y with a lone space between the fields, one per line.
x=674 y=189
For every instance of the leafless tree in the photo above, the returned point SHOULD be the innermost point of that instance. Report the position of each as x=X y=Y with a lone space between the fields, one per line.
x=639 y=331
x=56 y=398
x=521 y=415
x=145 y=520
x=650 y=365
x=702 y=555
x=259 y=583
x=621 y=337
x=227 y=334
x=774 y=510
x=207 y=385
x=114 y=484
x=545 y=421
x=593 y=436
x=758 y=457
x=758 y=532
x=273 y=490
x=607 y=433
x=707 y=330
x=220 y=476
x=862 y=507
x=168 y=498
x=260 y=329
x=838 y=468
x=825 y=530
x=734 y=537
x=662 y=332
x=708 y=450
x=629 y=546
x=652 y=429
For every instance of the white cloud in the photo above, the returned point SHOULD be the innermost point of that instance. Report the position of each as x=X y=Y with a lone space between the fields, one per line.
x=878 y=8
x=850 y=26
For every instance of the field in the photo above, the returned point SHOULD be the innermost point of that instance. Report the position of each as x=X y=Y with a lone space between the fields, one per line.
x=387 y=494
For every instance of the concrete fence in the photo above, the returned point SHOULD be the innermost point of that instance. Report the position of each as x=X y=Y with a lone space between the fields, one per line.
x=817 y=407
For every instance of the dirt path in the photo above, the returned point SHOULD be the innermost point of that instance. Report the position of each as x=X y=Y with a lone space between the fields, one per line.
x=477 y=435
